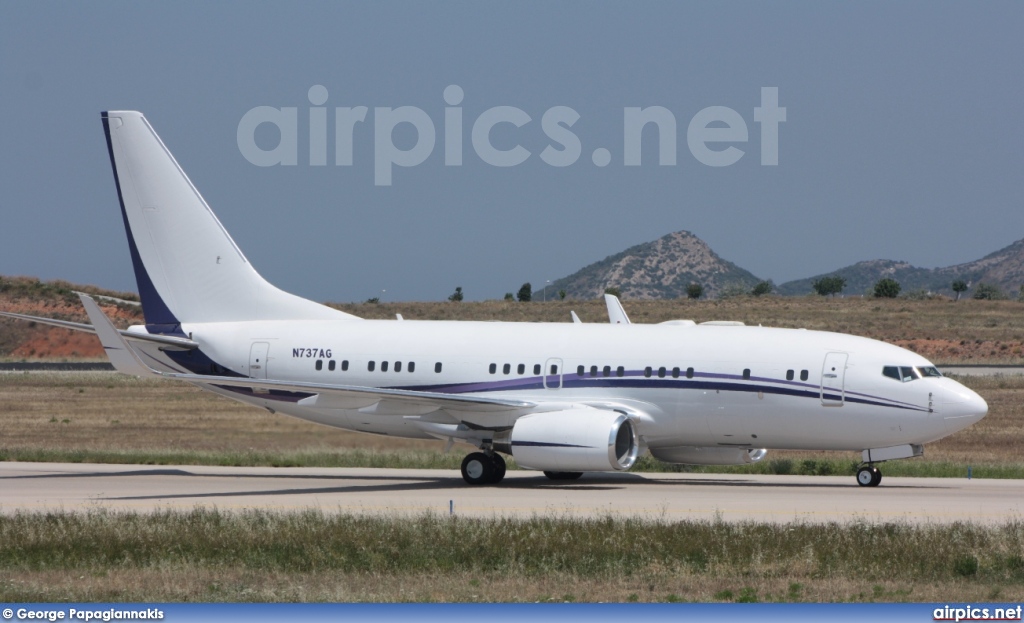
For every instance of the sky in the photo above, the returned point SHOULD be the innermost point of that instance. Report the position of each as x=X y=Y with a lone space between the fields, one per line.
x=903 y=135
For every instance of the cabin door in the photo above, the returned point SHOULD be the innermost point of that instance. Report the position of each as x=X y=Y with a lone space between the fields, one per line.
x=833 y=373
x=258 y=360
x=552 y=374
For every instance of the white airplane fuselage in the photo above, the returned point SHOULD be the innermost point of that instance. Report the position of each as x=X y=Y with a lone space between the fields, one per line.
x=852 y=407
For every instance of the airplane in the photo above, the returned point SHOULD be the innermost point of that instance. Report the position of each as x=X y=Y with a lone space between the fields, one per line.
x=562 y=398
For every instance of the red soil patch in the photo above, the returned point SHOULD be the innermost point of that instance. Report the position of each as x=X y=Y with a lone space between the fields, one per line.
x=55 y=343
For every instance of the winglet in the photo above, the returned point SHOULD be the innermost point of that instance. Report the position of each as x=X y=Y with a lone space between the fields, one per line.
x=575 y=318
x=117 y=349
x=616 y=314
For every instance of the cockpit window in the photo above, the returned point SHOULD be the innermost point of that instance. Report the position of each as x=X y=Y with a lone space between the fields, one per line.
x=927 y=371
x=906 y=374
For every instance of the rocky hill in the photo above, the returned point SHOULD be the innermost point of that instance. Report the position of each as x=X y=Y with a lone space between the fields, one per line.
x=1003 y=268
x=56 y=299
x=661 y=269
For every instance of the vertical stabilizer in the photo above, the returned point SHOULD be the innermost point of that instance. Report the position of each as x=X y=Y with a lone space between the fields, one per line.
x=187 y=267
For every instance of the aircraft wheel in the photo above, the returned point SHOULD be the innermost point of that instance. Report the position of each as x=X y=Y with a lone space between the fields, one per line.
x=876 y=476
x=477 y=469
x=866 y=476
x=499 y=467
x=563 y=475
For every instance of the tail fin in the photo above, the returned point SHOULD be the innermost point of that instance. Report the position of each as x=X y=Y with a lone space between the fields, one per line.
x=187 y=267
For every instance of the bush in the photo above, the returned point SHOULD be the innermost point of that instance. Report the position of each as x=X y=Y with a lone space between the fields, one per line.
x=965 y=566
x=887 y=288
x=509 y=296
x=457 y=296
x=694 y=291
x=780 y=466
x=525 y=293
x=829 y=286
x=613 y=291
x=765 y=287
x=988 y=291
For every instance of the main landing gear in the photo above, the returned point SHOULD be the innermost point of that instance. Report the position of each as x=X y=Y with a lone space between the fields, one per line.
x=869 y=476
x=481 y=468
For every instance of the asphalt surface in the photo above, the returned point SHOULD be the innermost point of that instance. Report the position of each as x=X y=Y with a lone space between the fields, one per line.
x=80 y=487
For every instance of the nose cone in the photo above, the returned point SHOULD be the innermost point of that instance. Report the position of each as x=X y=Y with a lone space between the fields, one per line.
x=959 y=406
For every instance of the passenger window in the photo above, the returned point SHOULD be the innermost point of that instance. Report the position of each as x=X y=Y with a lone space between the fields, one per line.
x=370 y=365
x=536 y=368
x=554 y=369
x=412 y=366
x=398 y=366
x=661 y=372
x=620 y=371
x=746 y=374
x=319 y=364
x=330 y=365
x=607 y=370
x=593 y=370
x=892 y=372
x=344 y=365
x=383 y=366
x=437 y=367
x=521 y=369
x=580 y=370
x=505 y=369
x=803 y=375
x=675 y=373
x=493 y=368
x=689 y=373
x=789 y=375
x=647 y=372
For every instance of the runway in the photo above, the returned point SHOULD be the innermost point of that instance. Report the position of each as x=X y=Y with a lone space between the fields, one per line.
x=672 y=497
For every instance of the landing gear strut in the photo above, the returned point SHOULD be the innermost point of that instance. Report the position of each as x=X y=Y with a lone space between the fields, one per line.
x=869 y=476
x=479 y=468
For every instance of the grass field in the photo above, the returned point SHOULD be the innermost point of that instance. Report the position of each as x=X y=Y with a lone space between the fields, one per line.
x=101 y=417
x=205 y=555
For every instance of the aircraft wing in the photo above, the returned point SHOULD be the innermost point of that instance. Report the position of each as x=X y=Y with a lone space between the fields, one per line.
x=177 y=343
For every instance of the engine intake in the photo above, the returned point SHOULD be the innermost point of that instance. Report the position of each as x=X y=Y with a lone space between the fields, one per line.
x=573 y=440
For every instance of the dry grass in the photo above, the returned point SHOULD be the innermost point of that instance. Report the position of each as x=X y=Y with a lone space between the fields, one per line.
x=206 y=555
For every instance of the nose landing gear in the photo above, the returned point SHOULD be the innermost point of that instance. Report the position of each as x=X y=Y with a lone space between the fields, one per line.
x=869 y=476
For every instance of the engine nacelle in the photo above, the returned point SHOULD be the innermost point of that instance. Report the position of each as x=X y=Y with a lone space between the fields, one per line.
x=696 y=455
x=574 y=440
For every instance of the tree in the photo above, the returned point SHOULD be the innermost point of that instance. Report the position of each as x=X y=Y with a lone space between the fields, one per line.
x=765 y=287
x=959 y=286
x=457 y=297
x=694 y=291
x=561 y=295
x=373 y=300
x=887 y=288
x=988 y=292
x=1020 y=295
x=525 y=293
x=509 y=296
x=829 y=286
x=613 y=291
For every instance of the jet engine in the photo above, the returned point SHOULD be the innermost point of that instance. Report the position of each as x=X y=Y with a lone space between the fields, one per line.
x=573 y=440
x=696 y=455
